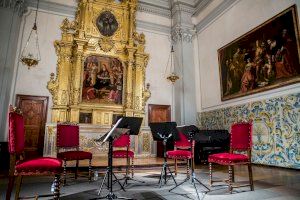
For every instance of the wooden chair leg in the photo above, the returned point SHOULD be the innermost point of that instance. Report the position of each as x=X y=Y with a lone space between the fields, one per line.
x=187 y=168
x=18 y=187
x=76 y=169
x=11 y=181
x=250 y=177
x=90 y=170
x=232 y=174
x=127 y=166
x=175 y=167
x=210 y=174
x=56 y=193
x=65 y=173
x=230 y=178
x=132 y=167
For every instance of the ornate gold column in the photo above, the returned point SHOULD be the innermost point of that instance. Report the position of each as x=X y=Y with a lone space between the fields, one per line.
x=60 y=87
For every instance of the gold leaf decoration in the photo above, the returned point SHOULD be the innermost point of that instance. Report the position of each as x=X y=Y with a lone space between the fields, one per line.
x=106 y=44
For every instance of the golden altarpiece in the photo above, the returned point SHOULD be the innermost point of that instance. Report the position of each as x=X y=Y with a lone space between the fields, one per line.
x=100 y=73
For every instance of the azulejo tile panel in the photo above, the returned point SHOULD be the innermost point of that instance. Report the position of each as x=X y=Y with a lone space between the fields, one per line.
x=276 y=133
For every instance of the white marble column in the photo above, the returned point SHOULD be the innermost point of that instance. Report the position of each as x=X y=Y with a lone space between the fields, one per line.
x=182 y=36
x=10 y=20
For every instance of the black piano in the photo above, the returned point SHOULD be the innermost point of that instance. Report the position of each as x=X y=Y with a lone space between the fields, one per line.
x=212 y=141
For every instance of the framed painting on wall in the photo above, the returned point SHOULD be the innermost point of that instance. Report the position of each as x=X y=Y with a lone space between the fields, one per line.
x=102 y=80
x=266 y=57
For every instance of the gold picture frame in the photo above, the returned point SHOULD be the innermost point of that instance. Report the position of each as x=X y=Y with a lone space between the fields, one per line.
x=264 y=58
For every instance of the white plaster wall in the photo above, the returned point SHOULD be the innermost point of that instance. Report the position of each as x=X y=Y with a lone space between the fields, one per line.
x=151 y=18
x=158 y=48
x=238 y=20
x=34 y=81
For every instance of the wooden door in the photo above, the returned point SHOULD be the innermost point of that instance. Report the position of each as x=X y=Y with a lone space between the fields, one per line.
x=34 y=110
x=160 y=113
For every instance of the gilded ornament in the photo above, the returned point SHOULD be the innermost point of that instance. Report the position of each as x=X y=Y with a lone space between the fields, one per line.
x=94 y=35
x=146 y=94
x=67 y=25
x=146 y=142
x=106 y=44
x=52 y=86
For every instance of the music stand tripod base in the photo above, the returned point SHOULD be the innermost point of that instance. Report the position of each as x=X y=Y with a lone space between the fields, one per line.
x=190 y=131
x=163 y=131
x=165 y=167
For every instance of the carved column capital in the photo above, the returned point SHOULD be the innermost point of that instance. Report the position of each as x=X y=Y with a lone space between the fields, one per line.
x=18 y=6
x=182 y=34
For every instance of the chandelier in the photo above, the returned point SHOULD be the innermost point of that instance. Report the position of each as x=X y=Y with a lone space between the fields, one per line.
x=172 y=76
x=30 y=55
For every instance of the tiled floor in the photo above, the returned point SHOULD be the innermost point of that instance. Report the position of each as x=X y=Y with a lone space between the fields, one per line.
x=269 y=183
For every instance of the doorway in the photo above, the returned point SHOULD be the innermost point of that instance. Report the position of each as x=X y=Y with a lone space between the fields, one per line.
x=34 y=109
x=160 y=113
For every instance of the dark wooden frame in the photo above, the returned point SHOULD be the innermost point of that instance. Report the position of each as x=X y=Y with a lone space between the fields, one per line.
x=152 y=106
x=20 y=97
x=170 y=145
x=245 y=39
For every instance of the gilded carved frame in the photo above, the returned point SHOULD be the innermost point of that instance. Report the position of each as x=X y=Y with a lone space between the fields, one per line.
x=80 y=39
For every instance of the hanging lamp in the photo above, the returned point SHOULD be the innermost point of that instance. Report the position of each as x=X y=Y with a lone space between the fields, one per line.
x=172 y=76
x=30 y=55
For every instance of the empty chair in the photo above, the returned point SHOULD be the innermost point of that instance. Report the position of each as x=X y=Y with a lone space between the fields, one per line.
x=240 y=141
x=67 y=143
x=19 y=166
x=182 y=151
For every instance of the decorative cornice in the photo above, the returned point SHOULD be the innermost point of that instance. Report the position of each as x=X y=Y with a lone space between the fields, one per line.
x=183 y=7
x=18 y=6
x=215 y=13
x=201 y=5
x=156 y=10
x=153 y=27
x=182 y=34
x=54 y=7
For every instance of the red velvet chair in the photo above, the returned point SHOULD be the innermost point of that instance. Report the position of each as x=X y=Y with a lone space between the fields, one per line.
x=20 y=167
x=182 y=151
x=124 y=142
x=67 y=142
x=240 y=141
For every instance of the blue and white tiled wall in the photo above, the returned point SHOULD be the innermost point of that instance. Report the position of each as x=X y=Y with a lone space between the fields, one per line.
x=276 y=133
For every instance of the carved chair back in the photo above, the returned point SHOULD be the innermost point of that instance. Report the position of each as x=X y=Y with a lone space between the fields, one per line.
x=184 y=143
x=16 y=137
x=122 y=141
x=67 y=136
x=241 y=137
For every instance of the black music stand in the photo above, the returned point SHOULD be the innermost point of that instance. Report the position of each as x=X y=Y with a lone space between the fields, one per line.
x=134 y=125
x=124 y=124
x=191 y=133
x=162 y=132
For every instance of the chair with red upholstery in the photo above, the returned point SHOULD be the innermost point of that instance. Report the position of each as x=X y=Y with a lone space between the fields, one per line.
x=124 y=142
x=182 y=151
x=20 y=167
x=67 y=142
x=240 y=141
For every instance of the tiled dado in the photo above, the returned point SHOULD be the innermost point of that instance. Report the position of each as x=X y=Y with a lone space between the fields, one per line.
x=276 y=134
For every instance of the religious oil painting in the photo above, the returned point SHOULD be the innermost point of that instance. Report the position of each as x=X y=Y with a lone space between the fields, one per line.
x=102 y=80
x=267 y=57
